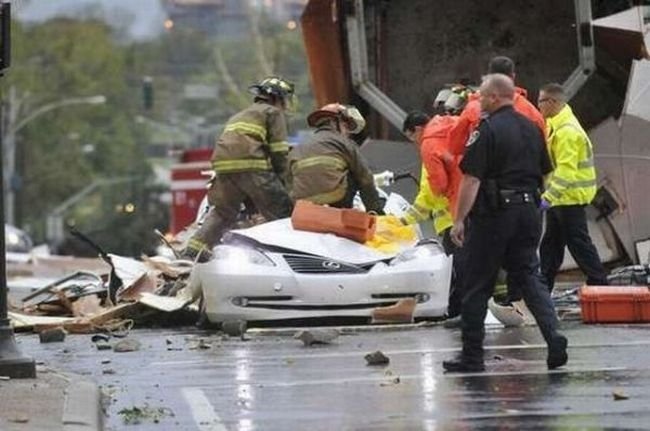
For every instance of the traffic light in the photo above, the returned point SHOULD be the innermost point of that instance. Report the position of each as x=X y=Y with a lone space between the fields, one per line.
x=147 y=92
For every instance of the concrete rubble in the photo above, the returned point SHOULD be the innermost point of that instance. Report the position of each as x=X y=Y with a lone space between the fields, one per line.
x=317 y=336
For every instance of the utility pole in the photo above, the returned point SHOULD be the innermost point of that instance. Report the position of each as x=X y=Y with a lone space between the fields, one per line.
x=12 y=362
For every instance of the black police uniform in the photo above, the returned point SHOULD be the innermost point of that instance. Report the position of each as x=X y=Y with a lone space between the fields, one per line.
x=508 y=155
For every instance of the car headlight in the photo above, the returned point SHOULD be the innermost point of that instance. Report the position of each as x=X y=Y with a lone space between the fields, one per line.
x=417 y=252
x=239 y=255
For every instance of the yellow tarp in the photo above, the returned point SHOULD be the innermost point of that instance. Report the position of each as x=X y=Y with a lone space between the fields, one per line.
x=391 y=235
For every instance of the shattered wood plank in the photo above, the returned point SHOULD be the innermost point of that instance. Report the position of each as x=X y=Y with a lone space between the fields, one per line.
x=65 y=301
x=169 y=269
x=129 y=270
x=26 y=321
x=162 y=303
x=73 y=327
x=119 y=311
x=87 y=306
x=51 y=308
x=145 y=283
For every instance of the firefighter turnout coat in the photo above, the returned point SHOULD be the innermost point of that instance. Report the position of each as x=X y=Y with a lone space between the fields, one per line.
x=329 y=169
x=254 y=139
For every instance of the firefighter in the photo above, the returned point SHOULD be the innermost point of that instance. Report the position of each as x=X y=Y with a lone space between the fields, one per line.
x=570 y=188
x=249 y=161
x=503 y=169
x=329 y=168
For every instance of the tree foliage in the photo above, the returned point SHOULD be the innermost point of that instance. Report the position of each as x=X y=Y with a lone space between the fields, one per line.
x=62 y=151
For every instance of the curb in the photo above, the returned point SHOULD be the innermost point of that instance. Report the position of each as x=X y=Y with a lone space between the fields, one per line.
x=82 y=408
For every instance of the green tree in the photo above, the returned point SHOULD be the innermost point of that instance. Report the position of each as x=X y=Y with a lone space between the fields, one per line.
x=62 y=151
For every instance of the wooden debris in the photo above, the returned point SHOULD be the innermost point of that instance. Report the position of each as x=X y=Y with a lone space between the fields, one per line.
x=145 y=283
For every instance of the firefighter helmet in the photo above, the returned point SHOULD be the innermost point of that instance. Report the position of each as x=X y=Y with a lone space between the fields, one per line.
x=347 y=113
x=273 y=86
x=453 y=98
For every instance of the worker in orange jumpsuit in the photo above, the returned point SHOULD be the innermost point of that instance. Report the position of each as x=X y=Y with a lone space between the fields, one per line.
x=471 y=116
x=442 y=173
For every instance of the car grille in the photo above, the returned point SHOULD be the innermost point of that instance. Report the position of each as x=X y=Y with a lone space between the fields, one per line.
x=318 y=265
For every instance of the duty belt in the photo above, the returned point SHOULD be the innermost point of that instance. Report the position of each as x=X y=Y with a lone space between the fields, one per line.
x=514 y=197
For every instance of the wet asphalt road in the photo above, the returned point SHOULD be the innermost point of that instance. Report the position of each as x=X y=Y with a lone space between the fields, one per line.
x=272 y=382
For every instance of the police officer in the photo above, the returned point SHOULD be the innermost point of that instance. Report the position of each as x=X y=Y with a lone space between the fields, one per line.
x=250 y=161
x=503 y=170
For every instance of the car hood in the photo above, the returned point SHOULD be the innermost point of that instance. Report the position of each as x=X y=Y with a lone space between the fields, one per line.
x=280 y=233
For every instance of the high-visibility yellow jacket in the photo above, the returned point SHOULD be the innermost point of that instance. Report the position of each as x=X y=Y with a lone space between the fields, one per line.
x=429 y=205
x=254 y=139
x=573 y=180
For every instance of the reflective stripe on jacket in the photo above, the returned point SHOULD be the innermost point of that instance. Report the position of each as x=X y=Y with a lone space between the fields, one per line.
x=469 y=119
x=573 y=180
x=253 y=139
x=324 y=169
x=428 y=205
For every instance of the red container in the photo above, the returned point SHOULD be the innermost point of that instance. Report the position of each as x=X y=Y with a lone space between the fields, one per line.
x=348 y=223
x=615 y=304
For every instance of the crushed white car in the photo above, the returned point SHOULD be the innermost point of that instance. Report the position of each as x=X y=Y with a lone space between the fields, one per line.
x=273 y=272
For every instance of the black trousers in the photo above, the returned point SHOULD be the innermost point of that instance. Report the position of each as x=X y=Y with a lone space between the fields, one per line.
x=567 y=226
x=455 y=289
x=505 y=238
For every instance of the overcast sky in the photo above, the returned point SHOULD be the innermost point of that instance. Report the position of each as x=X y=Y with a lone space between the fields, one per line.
x=148 y=15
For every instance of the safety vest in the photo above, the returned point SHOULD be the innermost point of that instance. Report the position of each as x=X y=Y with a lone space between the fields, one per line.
x=250 y=138
x=573 y=180
x=428 y=205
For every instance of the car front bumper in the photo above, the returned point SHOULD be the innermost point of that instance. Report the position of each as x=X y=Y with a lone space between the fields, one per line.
x=245 y=291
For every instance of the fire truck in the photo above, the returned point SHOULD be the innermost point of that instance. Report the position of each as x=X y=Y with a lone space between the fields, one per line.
x=188 y=186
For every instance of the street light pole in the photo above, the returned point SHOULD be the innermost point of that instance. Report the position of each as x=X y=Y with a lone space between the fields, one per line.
x=14 y=125
x=12 y=362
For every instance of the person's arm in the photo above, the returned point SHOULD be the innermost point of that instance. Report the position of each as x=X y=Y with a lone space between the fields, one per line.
x=437 y=169
x=364 y=179
x=566 y=149
x=467 y=193
x=467 y=122
x=474 y=167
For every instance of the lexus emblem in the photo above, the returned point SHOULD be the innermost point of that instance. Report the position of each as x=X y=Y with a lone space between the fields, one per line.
x=331 y=265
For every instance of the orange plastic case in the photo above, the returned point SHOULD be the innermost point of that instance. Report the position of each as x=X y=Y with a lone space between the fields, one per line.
x=348 y=223
x=615 y=304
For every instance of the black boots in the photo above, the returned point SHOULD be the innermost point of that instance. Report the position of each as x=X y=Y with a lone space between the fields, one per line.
x=557 y=355
x=463 y=365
